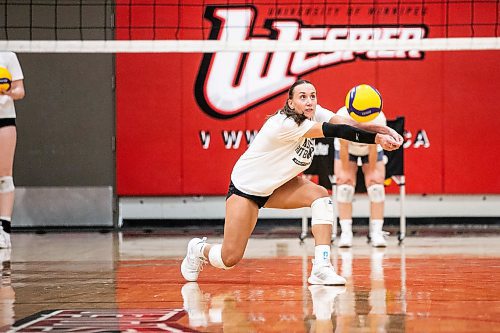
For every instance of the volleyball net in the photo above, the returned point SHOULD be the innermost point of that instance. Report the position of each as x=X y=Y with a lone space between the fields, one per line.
x=145 y=26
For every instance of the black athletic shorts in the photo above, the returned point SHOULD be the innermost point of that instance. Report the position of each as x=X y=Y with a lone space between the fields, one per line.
x=260 y=201
x=7 y=122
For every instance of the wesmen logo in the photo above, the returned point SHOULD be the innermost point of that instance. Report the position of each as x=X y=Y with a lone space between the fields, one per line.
x=230 y=83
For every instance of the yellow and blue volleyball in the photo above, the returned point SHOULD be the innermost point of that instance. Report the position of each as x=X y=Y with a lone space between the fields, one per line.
x=5 y=79
x=363 y=102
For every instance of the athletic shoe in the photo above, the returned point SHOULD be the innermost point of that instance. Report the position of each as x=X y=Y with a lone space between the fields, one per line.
x=193 y=304
x=377 y=238
x=4 y=239
x=345 y=239
x=324 y=273
x=323 y=299
x=193 y=263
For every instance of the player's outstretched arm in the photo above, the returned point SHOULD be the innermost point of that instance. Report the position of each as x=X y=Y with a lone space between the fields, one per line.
x=354 y=134
x=337 y=120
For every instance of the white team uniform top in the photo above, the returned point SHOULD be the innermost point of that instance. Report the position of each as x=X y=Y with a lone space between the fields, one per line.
x=9 y=60
x=278 y=153
x=356 y=148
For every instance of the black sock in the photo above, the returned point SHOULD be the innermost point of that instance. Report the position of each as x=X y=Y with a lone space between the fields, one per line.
x=5 y=225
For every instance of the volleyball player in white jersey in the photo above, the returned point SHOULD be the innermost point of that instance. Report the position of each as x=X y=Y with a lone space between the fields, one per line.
x=348 y=156
x=8 y=136
x=266 y=175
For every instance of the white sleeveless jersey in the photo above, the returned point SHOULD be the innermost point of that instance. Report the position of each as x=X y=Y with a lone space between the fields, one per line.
x=9 y=61
x=356 y=148
x=278 y=153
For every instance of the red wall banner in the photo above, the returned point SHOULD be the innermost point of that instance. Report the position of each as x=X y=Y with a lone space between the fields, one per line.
x=183 y=119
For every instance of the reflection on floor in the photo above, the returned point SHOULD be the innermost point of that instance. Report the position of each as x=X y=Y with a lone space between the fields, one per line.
x=130 y=282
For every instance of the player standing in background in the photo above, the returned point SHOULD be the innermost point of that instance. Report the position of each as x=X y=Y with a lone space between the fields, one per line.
x=8 y=137
x=370 y=157
x=266 y=175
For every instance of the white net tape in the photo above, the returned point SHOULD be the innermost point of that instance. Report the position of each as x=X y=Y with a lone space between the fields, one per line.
x=211 y=46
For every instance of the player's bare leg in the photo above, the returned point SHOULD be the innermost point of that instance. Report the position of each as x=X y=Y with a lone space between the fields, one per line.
x=346 y=183
x=241 y=217
x=299 y=193
x=374 y=180
x=8 y=138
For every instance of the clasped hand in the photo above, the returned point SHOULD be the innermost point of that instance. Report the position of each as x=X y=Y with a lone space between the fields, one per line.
x=389 y=141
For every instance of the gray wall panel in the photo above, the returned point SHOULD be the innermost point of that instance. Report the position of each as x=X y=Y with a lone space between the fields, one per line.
x=65 y=165
x=66 y=125
x=63 y=207
x=66 y=121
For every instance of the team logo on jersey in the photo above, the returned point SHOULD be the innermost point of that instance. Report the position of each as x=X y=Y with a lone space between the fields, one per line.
x=230 y=83
x=305 y=152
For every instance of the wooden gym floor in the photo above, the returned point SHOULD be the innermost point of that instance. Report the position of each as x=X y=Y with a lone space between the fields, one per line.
x=130 y=282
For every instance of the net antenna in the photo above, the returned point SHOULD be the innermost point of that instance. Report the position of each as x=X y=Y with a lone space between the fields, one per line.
x=156 y=26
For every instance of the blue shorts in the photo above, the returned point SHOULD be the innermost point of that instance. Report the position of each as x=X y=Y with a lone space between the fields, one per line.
x=260 y=201
x=364 y=159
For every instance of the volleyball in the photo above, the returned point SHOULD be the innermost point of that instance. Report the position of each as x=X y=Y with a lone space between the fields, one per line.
x=5 y=79
x=363 y=103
